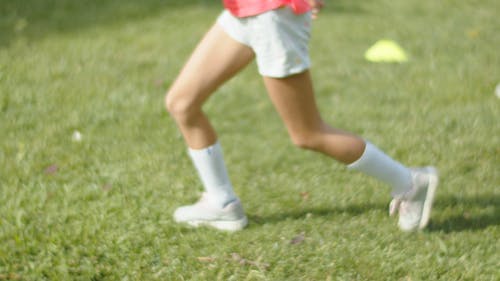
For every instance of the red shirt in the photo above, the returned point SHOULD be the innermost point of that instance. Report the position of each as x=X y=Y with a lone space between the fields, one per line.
x=246 y=8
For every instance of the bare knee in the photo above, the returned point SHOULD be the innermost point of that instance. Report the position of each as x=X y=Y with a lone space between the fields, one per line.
x=180 y=108
x=170 y=102
x=343 y=146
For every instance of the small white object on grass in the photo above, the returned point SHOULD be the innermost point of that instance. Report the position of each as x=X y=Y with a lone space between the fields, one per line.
x=77 y=136
x=497 y=91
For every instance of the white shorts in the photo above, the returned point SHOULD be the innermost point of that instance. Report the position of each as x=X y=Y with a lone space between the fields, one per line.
x=279 y=38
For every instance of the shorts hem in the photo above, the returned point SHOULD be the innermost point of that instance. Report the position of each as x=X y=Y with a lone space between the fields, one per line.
x=284 y=74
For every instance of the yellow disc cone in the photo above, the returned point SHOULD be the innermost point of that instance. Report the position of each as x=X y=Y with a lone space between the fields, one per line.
x=386 y=51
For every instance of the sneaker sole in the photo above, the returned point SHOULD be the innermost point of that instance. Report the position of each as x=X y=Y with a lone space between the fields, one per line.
x=222 y=225
x=429 y=197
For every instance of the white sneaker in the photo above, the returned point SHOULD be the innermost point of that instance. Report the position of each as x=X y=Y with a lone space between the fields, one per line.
x=415 y=206
x=231 y=217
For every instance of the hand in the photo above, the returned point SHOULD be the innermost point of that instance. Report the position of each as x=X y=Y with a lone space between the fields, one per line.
x=316 y=6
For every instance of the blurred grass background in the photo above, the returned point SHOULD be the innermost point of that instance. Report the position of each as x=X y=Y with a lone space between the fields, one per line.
x=100 y=208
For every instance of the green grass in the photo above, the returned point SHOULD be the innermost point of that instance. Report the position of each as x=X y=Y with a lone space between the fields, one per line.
x=100 y=209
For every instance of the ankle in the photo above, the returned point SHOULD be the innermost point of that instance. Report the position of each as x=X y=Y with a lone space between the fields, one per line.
x=220 y=199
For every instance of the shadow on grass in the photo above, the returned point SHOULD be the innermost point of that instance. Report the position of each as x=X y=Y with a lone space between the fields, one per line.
x=34 y=19
x=465 y=217
x=303 y=213
x=460 y=220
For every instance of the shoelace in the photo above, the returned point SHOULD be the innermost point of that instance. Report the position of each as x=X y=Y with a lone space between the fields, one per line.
x=394 y=206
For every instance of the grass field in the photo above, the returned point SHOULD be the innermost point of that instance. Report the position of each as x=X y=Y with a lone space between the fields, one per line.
x=100 y=208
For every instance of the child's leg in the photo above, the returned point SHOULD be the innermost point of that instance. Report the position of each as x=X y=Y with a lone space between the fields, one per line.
x=294 y=100
x=216 y=59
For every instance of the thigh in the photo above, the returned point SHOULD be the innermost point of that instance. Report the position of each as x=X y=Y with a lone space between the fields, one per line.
x=217 y=58
x=293 y=98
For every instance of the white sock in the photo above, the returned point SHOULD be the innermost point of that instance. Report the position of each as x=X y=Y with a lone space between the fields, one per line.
x=377 y=164
x=209 y=163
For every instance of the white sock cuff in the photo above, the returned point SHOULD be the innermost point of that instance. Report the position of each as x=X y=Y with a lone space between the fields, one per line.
x=377 y=164
x=209 y=162
x=362 y=159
